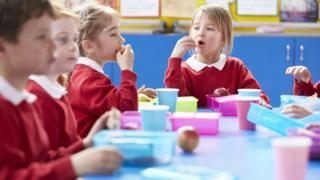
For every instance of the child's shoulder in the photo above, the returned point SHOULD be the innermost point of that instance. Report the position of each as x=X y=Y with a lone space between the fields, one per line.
x=234 y=60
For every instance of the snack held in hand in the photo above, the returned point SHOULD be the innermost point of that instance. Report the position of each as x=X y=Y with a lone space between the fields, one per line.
x=188 y=138
x=144 y=98
x=220 y=92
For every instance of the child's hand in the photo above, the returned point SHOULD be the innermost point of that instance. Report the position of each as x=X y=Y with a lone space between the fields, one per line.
x=151 y=93
x=265 y=104
x=295 y=111
x=103 y=160
x=110 y=119
x=182 y=46
x=114 y=119
x=301 y=73
x=220 y=92
x=125 y=58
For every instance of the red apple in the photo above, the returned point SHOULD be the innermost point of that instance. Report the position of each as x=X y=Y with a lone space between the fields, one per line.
x=188 y=138
x=220 y=92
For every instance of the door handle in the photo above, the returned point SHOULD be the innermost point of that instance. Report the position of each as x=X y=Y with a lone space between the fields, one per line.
x=288 y=52
x=301 y=52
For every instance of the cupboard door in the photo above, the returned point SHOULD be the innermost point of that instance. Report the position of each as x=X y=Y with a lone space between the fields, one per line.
x=267 y=57
x=308 y=54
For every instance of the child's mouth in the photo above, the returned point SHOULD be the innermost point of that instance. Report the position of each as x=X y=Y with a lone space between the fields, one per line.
x=72 y=59
x=200 y=43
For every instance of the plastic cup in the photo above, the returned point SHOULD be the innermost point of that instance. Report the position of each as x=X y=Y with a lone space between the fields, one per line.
x=291 y=157
x=168 y=96
x=243 y=105
x=154 y=117
x=249 y=92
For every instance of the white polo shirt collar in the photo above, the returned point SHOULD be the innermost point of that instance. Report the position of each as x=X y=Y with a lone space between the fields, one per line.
x=53 y=89
x=91 y=63
x=14 y=95
x=198 y=66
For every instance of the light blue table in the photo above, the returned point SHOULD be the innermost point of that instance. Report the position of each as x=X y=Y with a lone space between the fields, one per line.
x=246 y=154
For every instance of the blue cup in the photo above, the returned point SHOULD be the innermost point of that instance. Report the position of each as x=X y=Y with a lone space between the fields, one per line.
x=154 y=117
x=168 y=96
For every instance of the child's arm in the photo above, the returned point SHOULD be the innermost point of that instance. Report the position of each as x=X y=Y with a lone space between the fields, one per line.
x=182 y=46
x=296 y=111
x=173 y=76
x=302 y=82
x=110 y=120
x=300 y=73
x=305 y=89
x=98 y=94
x=91 y=161
x=102 y=160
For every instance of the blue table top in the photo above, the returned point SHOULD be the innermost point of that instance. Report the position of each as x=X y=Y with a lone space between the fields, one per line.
x=246 y=154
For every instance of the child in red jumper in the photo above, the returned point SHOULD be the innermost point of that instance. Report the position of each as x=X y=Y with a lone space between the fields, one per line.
x=302 y=83
x=25 y=48
x=208 y=69
x=90 y=91
x=54 y=107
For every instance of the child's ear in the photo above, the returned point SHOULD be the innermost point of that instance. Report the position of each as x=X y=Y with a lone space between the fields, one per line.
x=88 y=46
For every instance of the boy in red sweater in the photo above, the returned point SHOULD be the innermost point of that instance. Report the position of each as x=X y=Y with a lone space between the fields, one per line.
x=208 y=69
x=90 y=91
x=24 y=150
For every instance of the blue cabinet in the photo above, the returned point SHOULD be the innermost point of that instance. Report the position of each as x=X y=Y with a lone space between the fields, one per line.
x=266 y=56
x=308 y=54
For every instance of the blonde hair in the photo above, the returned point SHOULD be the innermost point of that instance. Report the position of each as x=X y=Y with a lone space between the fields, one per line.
x=222 y=20
x=61 y=12
x=93 y=19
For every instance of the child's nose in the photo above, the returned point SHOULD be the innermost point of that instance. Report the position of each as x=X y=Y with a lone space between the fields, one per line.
x=122 y=39
x=51 y=45
x=73 y=47
x=201 y=32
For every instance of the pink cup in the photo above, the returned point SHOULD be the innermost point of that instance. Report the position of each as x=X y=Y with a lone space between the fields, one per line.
x=291 y=157
x=243 y=105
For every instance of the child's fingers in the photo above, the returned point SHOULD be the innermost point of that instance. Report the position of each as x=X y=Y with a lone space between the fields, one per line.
x=141 y=88
x=297 y=70
x=114 y=119
x=289 y=70
x=187 y=41
x=127 y=48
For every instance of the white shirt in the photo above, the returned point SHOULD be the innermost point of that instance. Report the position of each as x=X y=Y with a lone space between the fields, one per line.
x=91 y=63
x=198 y=66
x=53 y=89
x=14 y=95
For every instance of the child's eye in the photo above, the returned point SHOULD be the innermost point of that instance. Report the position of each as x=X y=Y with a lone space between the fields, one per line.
x=196 y=28
x=75 y=39
x=210 y=28
x=42 y=37
x=61 y=40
